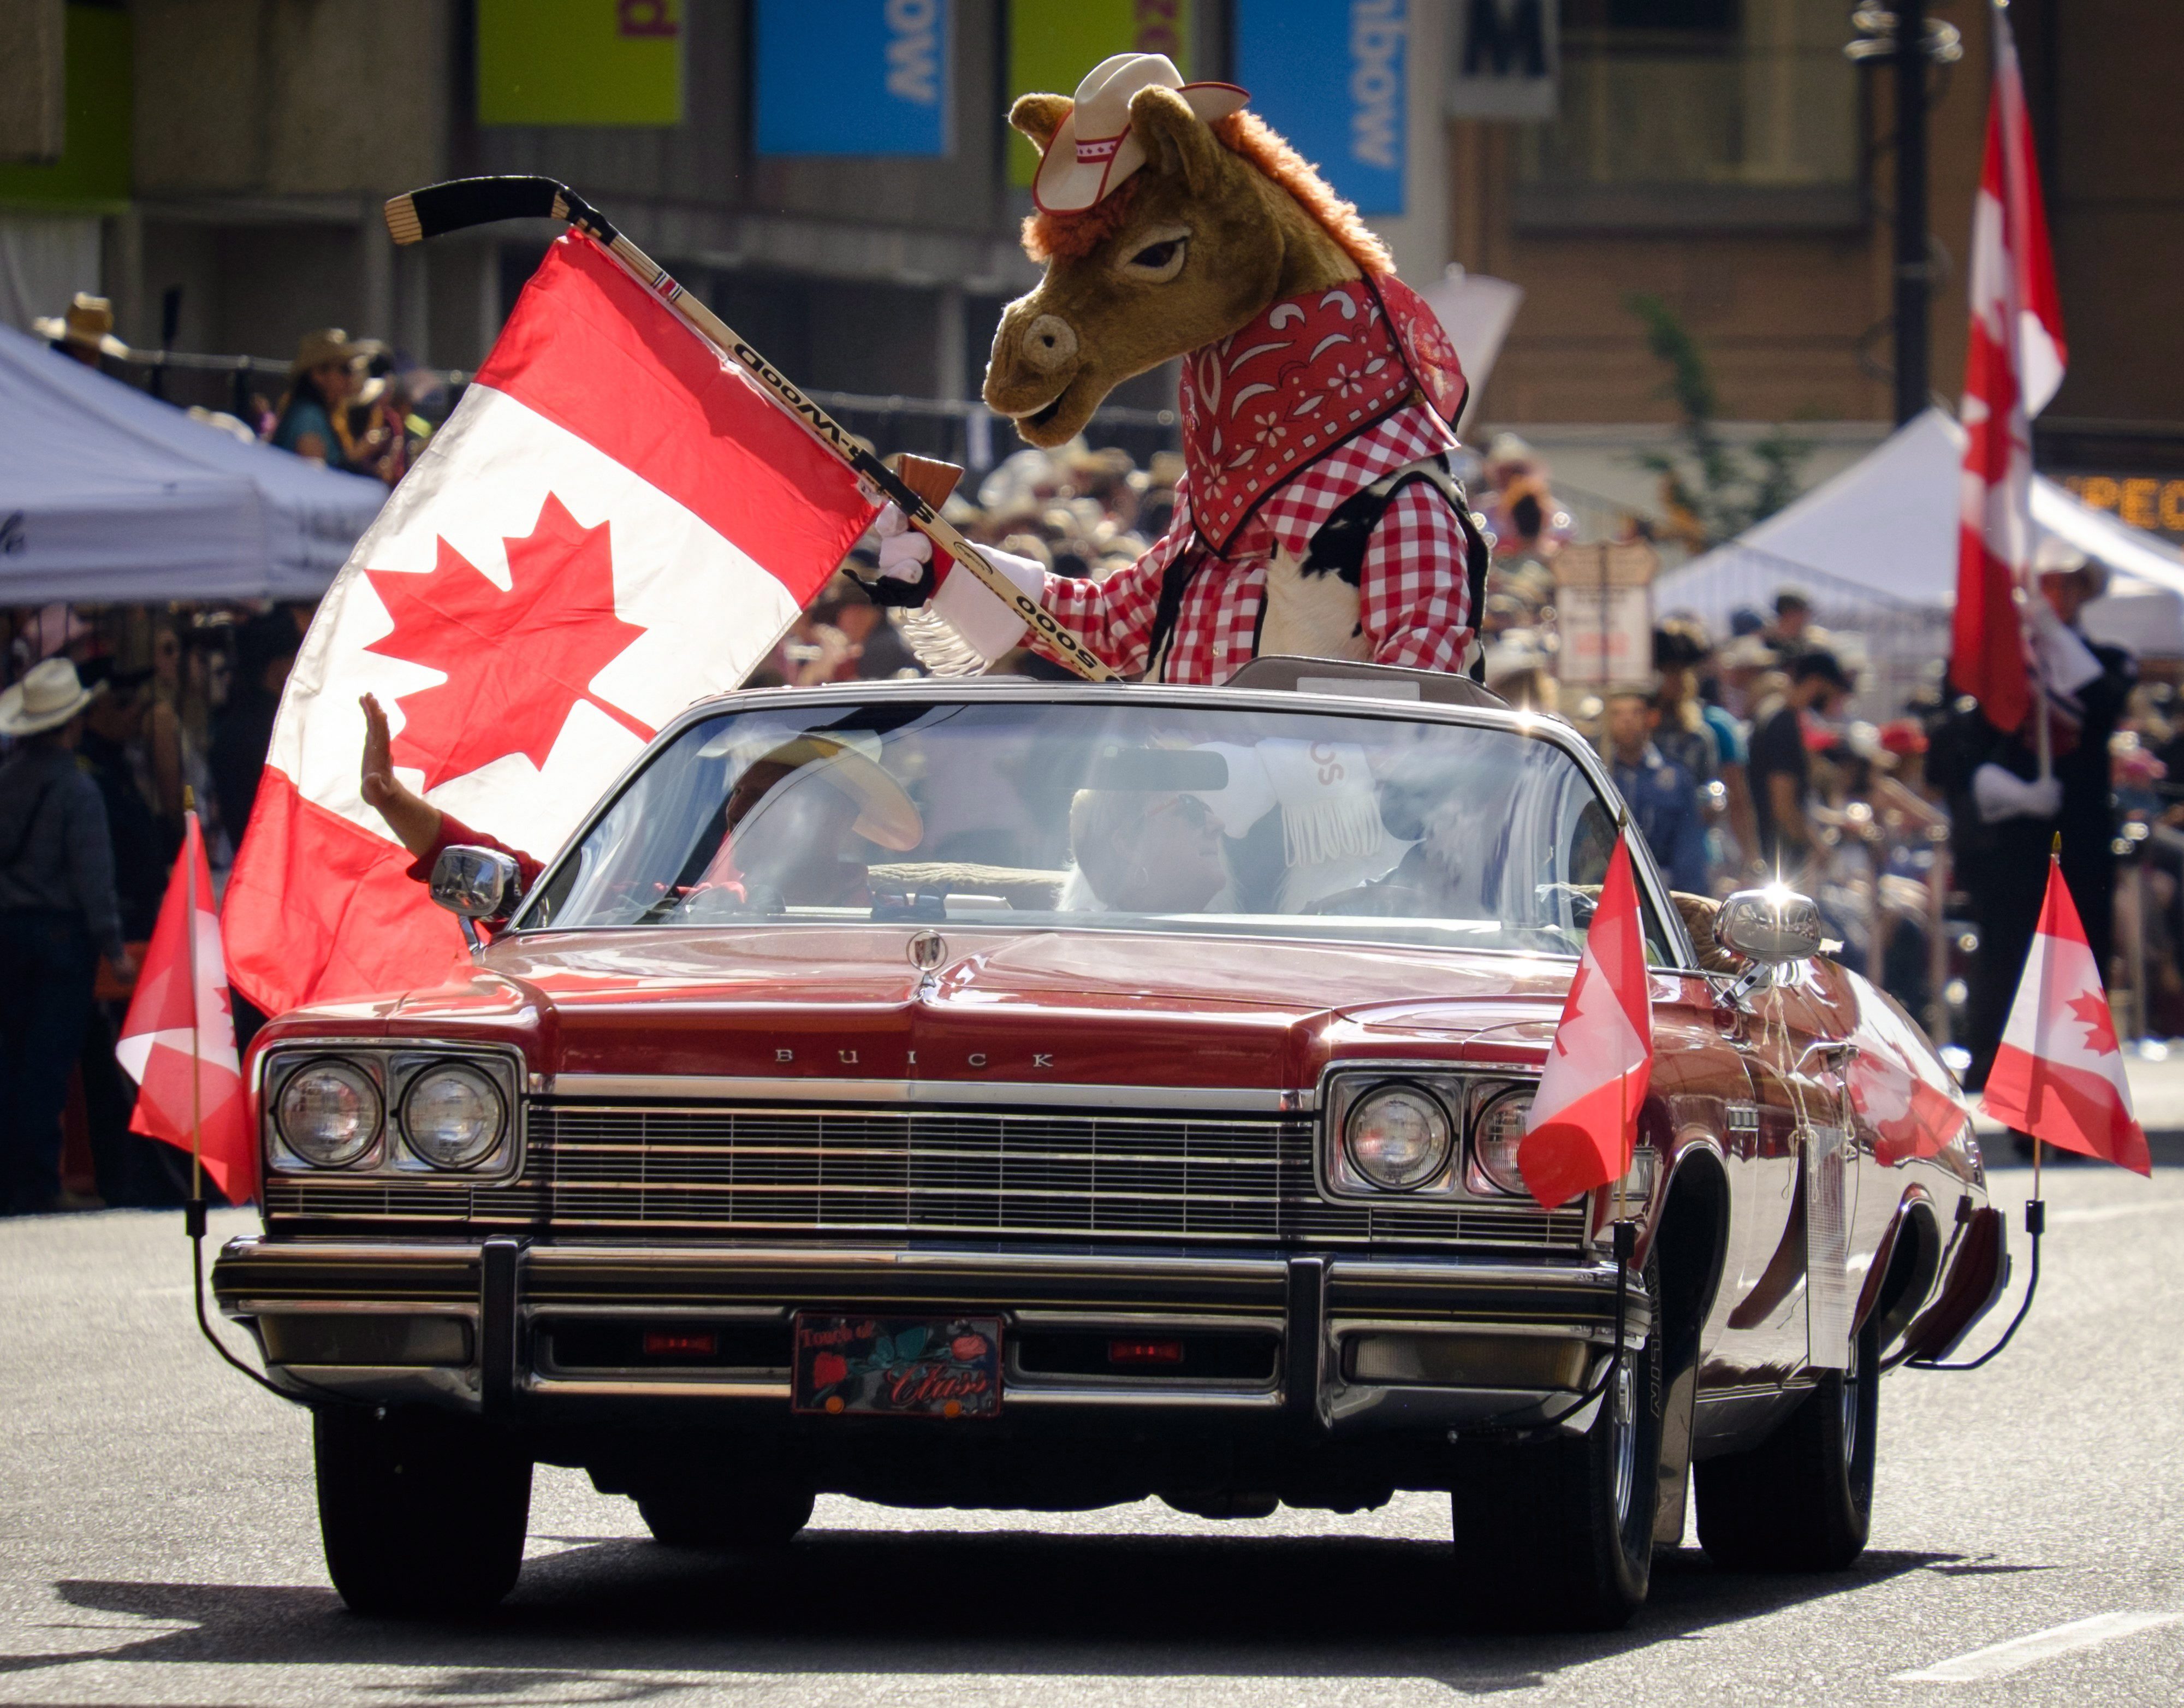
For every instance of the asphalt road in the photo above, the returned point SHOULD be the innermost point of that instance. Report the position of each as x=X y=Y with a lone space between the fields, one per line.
x=158 y=1543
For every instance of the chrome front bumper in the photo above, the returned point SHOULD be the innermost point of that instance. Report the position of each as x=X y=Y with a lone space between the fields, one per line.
x=1357 y=1343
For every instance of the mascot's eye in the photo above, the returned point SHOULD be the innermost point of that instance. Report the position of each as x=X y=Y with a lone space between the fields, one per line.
x=1161 y=260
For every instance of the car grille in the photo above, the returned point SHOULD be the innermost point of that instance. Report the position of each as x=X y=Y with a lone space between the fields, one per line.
x=1033 y=1173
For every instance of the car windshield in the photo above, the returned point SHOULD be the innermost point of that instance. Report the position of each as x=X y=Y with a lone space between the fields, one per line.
x=1089 y=814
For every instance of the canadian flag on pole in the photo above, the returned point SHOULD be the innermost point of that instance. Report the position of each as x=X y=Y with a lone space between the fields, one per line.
x=2012 y=365
x=1583 y=1121
x=178 y=1042
x=613 y=522
x=2058 y=1074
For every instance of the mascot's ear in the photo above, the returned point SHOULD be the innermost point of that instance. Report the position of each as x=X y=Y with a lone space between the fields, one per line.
x=1039 y=116
x=1176 y=141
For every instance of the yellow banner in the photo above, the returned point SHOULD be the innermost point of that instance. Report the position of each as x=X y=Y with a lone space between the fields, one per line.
x=1053 y=43
x=580 y=62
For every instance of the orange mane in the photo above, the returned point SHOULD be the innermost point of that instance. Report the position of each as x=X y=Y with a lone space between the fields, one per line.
x=1071 y=236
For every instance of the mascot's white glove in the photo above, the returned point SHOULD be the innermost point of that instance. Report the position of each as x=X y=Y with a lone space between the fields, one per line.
x=1999 y=794
x=979 y=616
x=2065 y=660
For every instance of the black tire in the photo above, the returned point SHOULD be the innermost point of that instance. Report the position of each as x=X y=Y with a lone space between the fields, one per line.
x=1558 y=1534
x=726 y=1515
x=1802 y=1499
x=422 y=1514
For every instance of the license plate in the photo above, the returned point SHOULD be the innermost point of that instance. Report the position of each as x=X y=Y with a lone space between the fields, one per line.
x=947 y=1367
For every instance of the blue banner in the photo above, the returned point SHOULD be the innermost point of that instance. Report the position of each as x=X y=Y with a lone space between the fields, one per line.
x=851 y=76
x=1330 y=75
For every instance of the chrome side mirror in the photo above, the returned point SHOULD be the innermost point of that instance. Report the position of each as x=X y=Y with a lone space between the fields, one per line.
x=476 y=884
x=1768 y=929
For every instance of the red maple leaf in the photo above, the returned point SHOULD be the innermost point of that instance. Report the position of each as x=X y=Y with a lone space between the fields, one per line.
x=517 y=662
x=2092 y=1009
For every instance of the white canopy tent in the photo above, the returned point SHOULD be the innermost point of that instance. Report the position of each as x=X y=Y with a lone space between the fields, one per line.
x=108 y=495
x=1880 y=540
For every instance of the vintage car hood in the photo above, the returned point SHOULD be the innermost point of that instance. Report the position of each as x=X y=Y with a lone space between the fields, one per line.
x=1084 y=1006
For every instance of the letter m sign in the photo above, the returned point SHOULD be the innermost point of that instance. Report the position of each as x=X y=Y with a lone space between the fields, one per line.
x=1507 y=58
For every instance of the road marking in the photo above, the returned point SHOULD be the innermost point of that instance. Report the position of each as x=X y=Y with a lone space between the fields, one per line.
x=2021 y=1652
x=2108 y=1212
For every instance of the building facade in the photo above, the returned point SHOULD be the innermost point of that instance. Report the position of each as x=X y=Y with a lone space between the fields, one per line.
x=226 y=161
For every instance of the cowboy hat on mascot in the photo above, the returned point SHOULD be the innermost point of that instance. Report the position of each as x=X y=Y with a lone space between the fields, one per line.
x=1319 y=396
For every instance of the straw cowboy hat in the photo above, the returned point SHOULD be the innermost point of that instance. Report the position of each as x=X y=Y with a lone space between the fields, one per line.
x=47 y=696
x=89 y=322
x=329 y=348
x=1092 y=151
x=849 y=759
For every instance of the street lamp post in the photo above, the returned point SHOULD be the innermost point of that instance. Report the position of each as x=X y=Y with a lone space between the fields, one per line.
x=1906 y=38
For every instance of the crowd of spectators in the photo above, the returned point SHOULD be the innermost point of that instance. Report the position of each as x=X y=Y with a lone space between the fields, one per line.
x=1734 y=754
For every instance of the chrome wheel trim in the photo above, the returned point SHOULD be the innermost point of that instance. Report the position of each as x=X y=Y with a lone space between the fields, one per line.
x=1622 y=1440
x=1853 y=1381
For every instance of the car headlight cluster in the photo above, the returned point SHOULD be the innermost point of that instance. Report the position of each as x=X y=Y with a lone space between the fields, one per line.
x=329 y=1112
x=1495 y=1132
x=1426 y=1133
x=448 y=1115
x=1398 y=1137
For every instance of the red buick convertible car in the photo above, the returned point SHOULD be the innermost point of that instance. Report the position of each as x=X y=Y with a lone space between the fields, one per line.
x=999 y=1094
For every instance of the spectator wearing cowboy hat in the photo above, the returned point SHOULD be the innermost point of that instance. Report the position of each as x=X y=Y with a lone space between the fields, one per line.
x=321 y=381
x=58 y=913
x=85 y=333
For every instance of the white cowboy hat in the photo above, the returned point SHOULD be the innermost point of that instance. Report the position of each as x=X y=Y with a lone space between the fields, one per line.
x=46 y=697
x=1092 y=151
x=89 y=322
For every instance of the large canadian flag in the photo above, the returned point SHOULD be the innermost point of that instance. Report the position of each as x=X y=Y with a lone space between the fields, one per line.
x=2013 y=364
x=178 y=1042
x=1583 y=1121
x=2058 y=1074
x=613 y=522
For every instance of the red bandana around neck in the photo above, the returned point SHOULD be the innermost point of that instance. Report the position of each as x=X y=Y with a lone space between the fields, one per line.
x=1305 y=374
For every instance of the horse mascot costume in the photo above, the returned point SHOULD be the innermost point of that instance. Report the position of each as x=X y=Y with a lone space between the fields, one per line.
x=1319 y=397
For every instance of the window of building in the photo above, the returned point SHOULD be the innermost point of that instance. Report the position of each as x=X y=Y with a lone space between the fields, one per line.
x=1697 y=113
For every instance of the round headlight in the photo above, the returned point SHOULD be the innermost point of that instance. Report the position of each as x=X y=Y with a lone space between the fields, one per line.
x=1397 y=1137
x=1494 y=1139
x=329 y=1113
x=453 y=1116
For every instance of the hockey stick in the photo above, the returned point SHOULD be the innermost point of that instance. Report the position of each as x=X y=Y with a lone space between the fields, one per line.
x=451 y=207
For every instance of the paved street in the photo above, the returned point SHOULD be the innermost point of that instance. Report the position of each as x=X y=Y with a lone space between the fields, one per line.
x=158 y=1544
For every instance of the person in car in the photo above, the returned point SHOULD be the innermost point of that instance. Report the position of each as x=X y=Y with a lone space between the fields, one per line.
x=774 y=833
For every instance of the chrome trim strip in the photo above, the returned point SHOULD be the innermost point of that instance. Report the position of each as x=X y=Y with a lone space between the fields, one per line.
x=1458 y=1272
x=1094 y=1318
x=1265 y=1399
x=694 y=1386
x=665 y=1260
x=1439 y=1328
x=1035 y=1092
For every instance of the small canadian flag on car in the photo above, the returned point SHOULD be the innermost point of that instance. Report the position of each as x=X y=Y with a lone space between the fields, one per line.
x=178 y=1042
x=1584 y=1123
x=2058 y=1074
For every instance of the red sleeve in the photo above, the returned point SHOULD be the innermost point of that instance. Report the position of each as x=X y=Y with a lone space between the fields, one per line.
x=453 y=833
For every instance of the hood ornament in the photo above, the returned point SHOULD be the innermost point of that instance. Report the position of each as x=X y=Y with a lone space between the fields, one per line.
x=926 y=950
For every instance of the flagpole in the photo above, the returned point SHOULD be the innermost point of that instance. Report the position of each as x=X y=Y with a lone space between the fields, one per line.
x=190 y=894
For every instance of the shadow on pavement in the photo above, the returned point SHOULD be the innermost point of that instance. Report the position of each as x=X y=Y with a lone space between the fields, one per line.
x=1024 y=1603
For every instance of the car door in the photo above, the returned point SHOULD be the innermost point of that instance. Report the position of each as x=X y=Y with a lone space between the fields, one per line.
x=1796 y=1181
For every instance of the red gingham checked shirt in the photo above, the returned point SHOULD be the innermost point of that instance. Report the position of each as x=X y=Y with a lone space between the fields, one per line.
x=1413 y=596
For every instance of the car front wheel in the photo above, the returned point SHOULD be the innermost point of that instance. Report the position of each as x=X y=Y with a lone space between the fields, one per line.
x=1558 y=1534
x=1802 y=1499
x=423 y=1514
